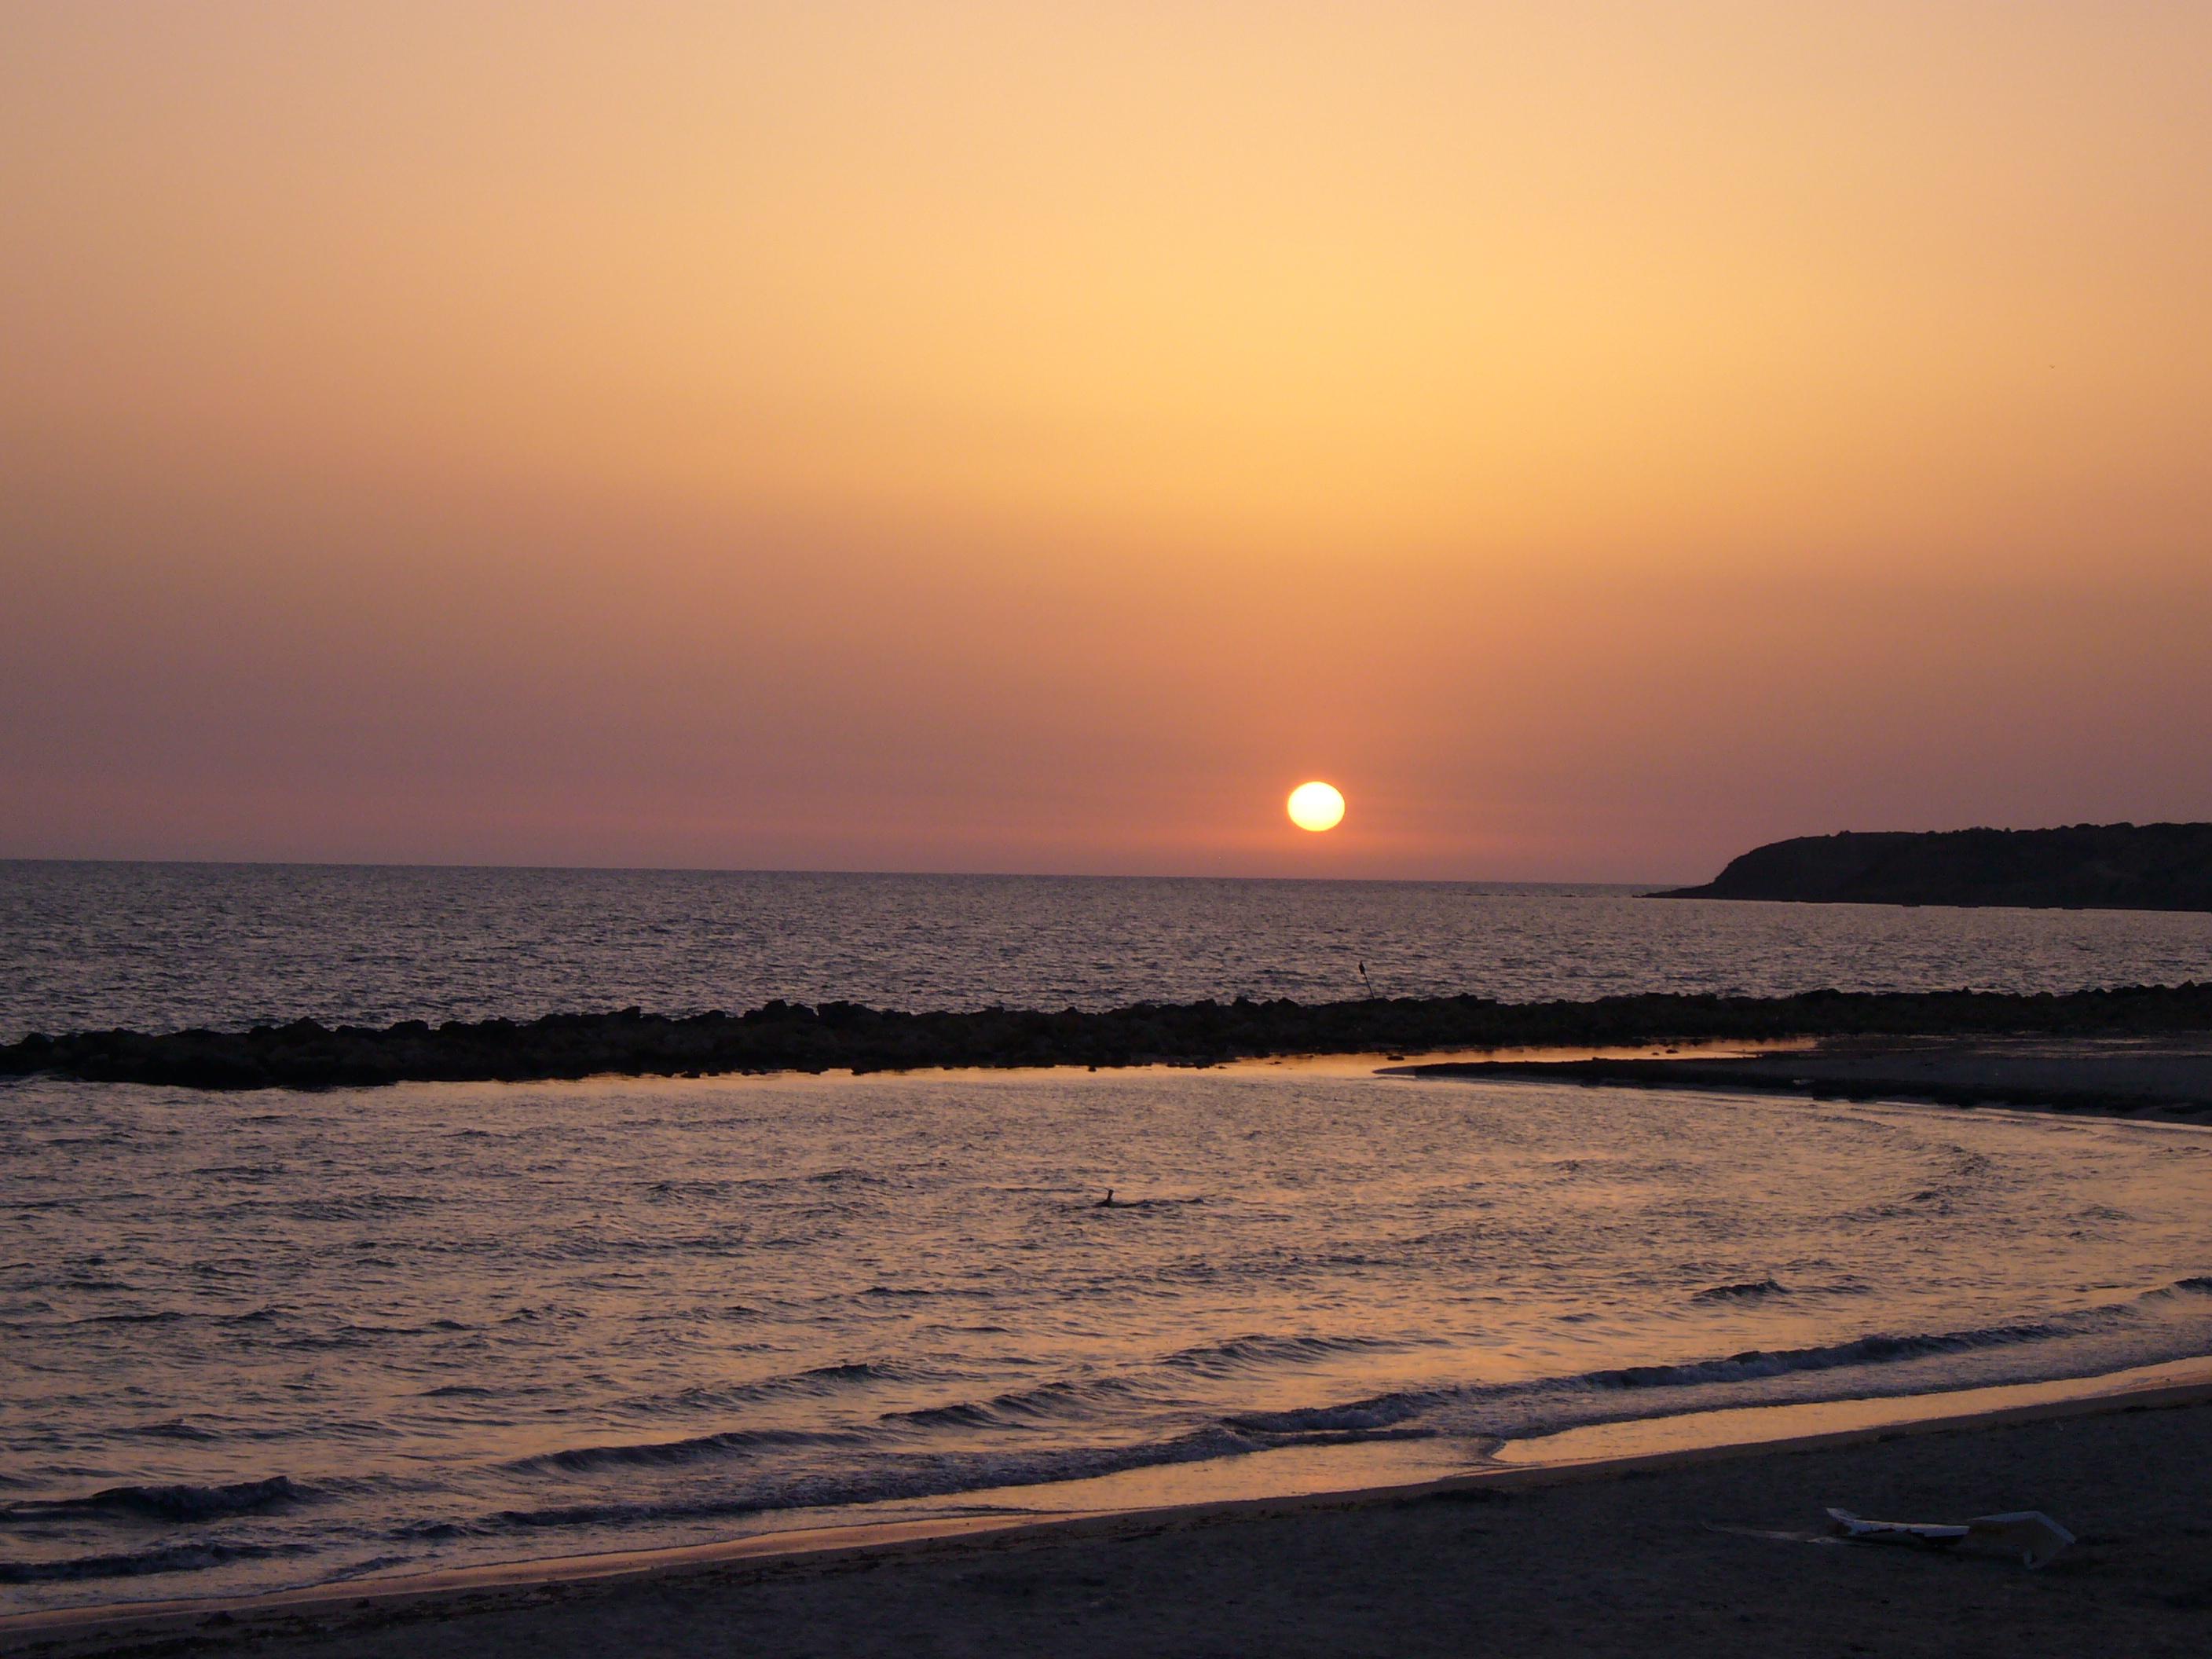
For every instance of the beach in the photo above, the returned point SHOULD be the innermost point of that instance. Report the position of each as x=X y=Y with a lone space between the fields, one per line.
x=625 y=1319
x=1700 y=1551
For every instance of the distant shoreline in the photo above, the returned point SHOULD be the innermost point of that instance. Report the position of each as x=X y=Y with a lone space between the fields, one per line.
x=2087 y=866
x=836 y=1036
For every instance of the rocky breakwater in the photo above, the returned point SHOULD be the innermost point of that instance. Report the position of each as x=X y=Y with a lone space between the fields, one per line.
x=789 y=1036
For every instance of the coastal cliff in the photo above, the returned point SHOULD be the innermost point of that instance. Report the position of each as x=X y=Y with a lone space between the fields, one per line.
x=2103 y=866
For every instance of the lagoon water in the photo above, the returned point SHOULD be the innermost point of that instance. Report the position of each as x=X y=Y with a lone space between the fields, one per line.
x=263 y=1339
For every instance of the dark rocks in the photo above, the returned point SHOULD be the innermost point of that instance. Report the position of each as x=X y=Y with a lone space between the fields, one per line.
x=788 y=1036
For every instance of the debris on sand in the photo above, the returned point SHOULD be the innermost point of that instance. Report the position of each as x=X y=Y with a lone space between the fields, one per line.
x=2030 y=1534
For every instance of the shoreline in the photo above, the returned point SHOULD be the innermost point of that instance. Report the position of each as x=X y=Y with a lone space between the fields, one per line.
x=1349 y=1500
x=836 y=1036
x=1595 y=1453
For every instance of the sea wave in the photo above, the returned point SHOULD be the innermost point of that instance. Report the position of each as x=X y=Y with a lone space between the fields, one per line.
x=660 y=1454
x=884 y=1479
x=196 y=1557
x=875 y=1467
x=1059 y=1401
x=1750 y=1365
x=2198 y=1284
x=1244 y=1352
x=817 y=1383
x=1743 y=1292
x=170 y=1503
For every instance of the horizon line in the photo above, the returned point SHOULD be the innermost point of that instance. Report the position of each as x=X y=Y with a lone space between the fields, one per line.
x=743 y=870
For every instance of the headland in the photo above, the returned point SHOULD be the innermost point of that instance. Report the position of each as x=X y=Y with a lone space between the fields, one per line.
x=2093 y=866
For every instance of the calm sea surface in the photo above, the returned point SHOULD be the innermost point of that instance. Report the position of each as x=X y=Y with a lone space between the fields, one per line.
x=158 y=947
x=263 y=1339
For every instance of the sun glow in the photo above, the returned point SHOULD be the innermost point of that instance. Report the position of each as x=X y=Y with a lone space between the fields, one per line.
x=1316 y=806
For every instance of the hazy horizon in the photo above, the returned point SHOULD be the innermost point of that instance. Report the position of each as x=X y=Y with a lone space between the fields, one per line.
x=981 y=438
x=1678 y=879
x=805 y=870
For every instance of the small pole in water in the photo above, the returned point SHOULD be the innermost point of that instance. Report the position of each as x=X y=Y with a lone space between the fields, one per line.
x=1105 y=1203
x=1366 y=981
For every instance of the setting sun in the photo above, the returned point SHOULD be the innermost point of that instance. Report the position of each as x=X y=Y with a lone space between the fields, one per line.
x=1316 y=806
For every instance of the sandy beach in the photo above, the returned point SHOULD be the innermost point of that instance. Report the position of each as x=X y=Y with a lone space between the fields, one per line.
x=1702 y=1552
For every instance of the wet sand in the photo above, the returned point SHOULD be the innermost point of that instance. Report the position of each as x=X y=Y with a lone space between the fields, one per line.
x=1696 y=1553
x=2157 y=1077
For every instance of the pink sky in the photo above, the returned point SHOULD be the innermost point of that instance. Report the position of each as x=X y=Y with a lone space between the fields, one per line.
x=1597 y=437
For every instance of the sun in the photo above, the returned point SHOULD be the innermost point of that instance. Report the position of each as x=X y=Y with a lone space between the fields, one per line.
x=1316 y=806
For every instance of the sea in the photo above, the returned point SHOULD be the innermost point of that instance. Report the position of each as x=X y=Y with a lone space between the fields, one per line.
x=261 y=1341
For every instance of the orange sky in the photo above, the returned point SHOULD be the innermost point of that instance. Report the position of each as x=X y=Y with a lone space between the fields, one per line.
x=1598 y=436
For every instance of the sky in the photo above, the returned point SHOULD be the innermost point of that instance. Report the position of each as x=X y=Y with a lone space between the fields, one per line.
x=1599 y=437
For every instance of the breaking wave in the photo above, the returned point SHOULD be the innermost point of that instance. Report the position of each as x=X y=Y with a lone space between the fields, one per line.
x=1750 y=1365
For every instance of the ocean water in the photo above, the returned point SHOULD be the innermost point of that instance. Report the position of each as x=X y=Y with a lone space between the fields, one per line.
x=268 y=1340
x=154 y=946
x=261 y=1340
